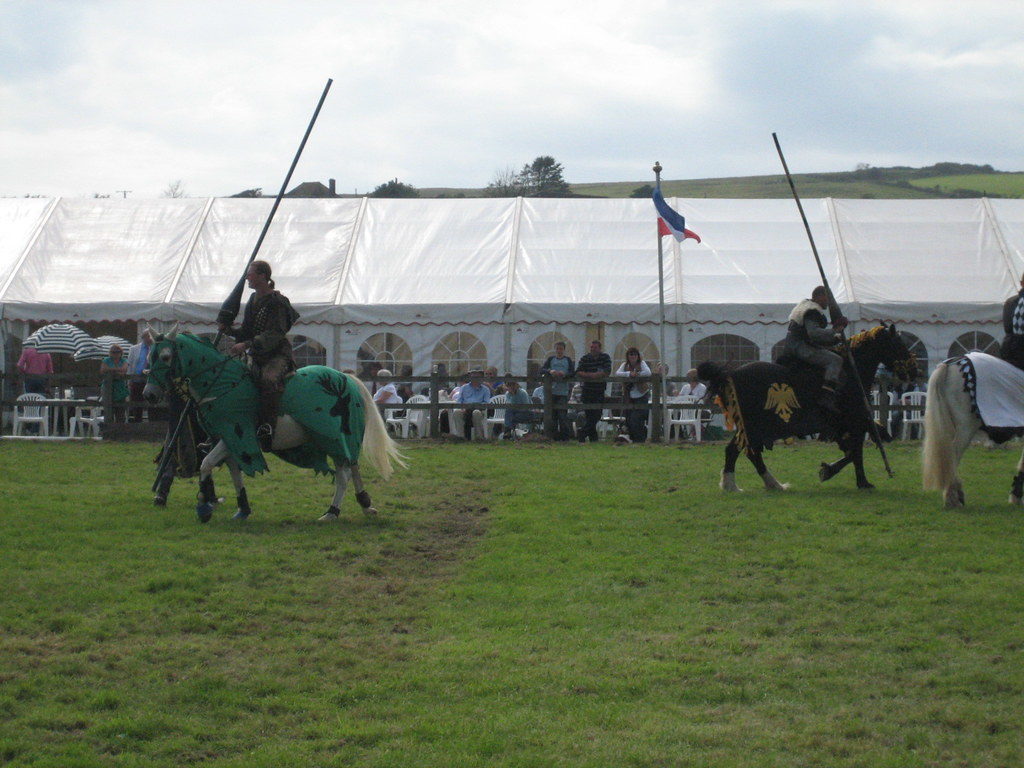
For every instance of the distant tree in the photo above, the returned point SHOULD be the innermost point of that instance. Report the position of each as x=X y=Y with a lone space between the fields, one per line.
x=543 y=178
x=506 y=183
x=174 y=189
x=395 y=188
x=645 y=191
x=254 y=192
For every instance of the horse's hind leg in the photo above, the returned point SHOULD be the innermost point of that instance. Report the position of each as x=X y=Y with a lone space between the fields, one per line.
x=361 y=494
x=1017 y=489
x=728 y=482
x=341 y=477
x=241 y=497
x=766 y=476
x=207 y=497
x=953 y=497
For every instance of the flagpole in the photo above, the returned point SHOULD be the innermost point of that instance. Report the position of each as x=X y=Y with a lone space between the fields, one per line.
x=661 y=292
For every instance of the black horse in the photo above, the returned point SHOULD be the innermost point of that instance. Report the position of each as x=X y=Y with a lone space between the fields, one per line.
x=766 y=402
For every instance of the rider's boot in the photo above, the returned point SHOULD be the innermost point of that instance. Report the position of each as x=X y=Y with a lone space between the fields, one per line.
x=267 y=419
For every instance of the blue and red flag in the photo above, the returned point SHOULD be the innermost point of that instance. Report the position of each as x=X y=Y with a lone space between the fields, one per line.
x=670 y=222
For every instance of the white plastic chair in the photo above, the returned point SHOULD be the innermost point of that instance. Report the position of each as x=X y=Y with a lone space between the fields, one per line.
x=875 y=401
x=31 y=414
x=89 y=418
x=498 y=419
x=915 y=400
x=418 y=419
x=398 y=420
x=683 y=415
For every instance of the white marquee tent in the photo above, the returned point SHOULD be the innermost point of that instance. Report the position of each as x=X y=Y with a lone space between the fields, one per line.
x=507 y=270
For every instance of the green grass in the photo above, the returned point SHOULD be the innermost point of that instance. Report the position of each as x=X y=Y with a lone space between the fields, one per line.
x=1004 y=184
x=513 y=605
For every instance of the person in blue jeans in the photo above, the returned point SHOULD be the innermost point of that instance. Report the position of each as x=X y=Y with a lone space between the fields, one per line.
x=561 y=369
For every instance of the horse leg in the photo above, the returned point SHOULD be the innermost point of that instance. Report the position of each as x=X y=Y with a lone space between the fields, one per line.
x=856 y=454
x=341 y=478
x=770 y=483
x=1017 y=489
x=828 y=471
x=361 y=494
x=241 y=497
x=728 y=482
x=207 y=496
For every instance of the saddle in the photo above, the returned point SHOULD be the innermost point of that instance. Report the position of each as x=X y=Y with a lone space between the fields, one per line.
x=806 y=379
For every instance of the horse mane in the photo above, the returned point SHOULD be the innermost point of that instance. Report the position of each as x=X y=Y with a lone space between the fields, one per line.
x=871 y=334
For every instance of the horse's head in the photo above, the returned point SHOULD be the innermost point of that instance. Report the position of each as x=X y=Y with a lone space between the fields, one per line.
x=893 y=352
x=163 y=356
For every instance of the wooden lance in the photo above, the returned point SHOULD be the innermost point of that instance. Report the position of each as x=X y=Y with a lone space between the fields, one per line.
x=229 y=309
x=834 y=312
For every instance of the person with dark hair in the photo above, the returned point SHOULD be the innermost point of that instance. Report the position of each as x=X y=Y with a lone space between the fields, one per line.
x=637 y=391
x=809 y=335
x=263 y=336
x=592 y=368
x=1012 y=348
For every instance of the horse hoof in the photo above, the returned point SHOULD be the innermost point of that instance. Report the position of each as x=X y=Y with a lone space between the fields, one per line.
x=369 y=511
x=159 y=501
x=328 y=517
x=242 y=514
x=1015 y=500
x=825 y=472
x=204 y=512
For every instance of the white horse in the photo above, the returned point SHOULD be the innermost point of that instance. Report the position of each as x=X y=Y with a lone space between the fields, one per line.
x=950 y=424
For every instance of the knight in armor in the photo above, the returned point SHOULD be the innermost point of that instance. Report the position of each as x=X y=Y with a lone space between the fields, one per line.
x=809 y=335
x=262 y=336
x=1012 y=348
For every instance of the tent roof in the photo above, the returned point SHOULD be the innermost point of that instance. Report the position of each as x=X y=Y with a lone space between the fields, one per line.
x=387 y=261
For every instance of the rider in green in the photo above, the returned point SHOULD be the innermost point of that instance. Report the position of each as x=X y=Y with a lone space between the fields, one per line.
x=268 y=318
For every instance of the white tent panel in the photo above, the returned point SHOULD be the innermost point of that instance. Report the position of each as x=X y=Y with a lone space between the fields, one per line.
x=1010 y=219
x=912 y=258
x=306 y=247
x=590 y=261
x=430 y=261
x=19 y=219
x=755 y=261
x=103 y=259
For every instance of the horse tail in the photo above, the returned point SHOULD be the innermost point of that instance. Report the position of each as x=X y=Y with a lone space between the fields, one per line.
x=938 y=464
x=377 y=443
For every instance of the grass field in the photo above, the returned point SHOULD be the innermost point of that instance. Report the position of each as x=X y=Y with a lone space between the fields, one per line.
x=512 y=605
x=1005 y=184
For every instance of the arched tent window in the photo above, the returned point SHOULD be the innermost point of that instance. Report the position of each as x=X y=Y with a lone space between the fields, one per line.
x=918 y=350
x=543 y=347
x=308 y=351
x=643 y=342
x=384 y=350
x=973 y=341
x=460 y=352
x=725 y=349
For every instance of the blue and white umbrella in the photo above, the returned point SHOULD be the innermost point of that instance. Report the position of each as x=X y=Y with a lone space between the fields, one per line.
x=99 y=347
x=59 y=338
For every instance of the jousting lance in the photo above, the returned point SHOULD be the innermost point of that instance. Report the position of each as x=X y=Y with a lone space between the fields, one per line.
x=834 y=311
x=229 y=309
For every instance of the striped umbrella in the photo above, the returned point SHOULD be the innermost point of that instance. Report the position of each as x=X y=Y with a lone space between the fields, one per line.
x=59 y=338
x=99 y=347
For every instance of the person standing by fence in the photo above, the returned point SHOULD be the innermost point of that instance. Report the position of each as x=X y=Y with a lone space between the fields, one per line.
x=638 y=392
x=560 y=367
x=592 y=369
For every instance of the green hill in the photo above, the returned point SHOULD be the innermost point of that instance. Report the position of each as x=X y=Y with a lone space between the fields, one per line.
x=942 y=180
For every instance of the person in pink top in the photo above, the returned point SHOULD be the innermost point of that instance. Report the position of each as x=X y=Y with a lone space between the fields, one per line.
x=34 y=366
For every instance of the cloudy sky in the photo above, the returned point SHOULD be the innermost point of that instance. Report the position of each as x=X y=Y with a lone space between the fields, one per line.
x=104 y=95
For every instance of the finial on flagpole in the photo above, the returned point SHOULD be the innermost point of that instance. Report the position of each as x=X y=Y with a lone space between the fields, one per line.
x=657 y=170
